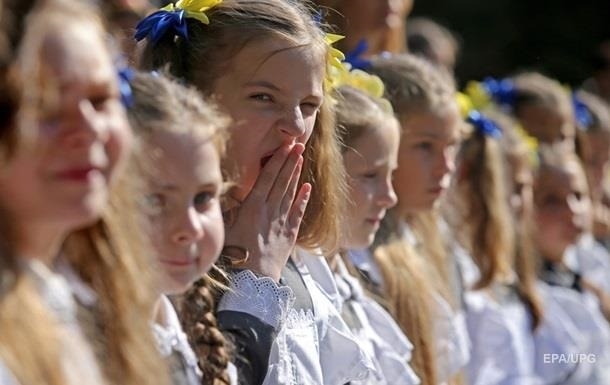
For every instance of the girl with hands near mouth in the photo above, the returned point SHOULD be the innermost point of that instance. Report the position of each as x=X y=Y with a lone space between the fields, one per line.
x=265 y=64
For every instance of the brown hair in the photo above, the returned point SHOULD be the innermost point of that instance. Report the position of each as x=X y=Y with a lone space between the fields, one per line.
x=414 y=86
x=357 y=112
x=200 y=60
x=484 y=212
x=407 y=293
x=160 y=104
x=517 y=156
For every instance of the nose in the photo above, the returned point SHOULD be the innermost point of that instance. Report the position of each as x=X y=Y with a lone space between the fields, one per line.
x=188 y=228
x=85 y=126
x=386 y=196
x=292 y=123
x=445 y=162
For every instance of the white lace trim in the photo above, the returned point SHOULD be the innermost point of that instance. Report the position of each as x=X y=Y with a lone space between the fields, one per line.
x=259 y=297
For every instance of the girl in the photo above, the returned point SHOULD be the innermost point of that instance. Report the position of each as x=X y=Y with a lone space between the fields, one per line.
x=264 y=62
x=561 y=204
x=369 y=135
x=502 y=309
x=180 y=143
x=73 y=285
x=589 y=257
x=418 y=281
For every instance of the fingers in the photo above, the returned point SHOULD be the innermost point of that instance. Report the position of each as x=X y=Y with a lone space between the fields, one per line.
x=269 y=174
x=297 y=211
x=288 y=198
x=285 y=176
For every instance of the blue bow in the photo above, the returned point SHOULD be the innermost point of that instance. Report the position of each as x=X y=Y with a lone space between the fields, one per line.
x=156 y=25
x=355 y=59
x=582 y=114
x=484 y=125
x=501 y=91
x=126 y=75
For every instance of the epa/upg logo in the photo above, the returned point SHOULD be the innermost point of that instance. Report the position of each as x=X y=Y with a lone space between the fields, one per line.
x=575 y=358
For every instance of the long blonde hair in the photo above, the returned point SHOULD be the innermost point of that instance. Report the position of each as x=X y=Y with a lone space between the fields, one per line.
x=414 y=86
x=106 y=255
x=200 y=60
x=484 y=215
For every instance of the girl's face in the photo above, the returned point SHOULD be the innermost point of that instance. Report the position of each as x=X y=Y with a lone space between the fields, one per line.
x=60 y=179
x=369 y=162
x=273 y=90
x=562 y=209
x=187 y=226
x=426 y=159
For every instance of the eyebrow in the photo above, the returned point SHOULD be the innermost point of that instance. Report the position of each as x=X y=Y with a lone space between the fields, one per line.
x=263 y=83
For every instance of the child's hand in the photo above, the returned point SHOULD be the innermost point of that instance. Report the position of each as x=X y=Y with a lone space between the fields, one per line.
x=267 y=222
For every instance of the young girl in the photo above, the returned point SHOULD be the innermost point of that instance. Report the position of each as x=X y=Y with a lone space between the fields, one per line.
x=264 y=62
x=73 y=285
x=180 y=143
x=589 y=257
x=502 y=309
x=369 y=135
x=561 y=208
x=418 y=280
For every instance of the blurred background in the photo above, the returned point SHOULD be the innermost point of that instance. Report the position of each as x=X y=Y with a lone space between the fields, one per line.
x=499 y=37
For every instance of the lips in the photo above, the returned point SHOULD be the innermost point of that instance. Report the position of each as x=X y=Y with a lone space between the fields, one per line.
x=80 y=173
x=182 y=262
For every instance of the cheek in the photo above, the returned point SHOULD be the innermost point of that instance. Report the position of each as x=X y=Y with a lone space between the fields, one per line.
x=214 y=238
x=119 y=143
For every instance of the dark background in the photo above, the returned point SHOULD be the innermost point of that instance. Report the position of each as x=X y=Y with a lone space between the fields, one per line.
x=500 y=37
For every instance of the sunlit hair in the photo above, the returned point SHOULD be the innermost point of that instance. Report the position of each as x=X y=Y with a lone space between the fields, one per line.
x=106 y=254
x=517 y=158
x=535 y=89
x=201 y=59
x=414 y=86
x=407 y=293
x=163 y=105
x=357 y=113
x=482 y=207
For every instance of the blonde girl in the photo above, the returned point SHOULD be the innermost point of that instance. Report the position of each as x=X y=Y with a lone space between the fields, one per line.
x=265 y=63
x=502 y=308
x=180 y=141
x=369 y=134
x=75 y=289
x=420 y=282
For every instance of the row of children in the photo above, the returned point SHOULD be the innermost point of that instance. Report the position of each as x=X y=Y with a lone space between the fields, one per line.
x=274 y=216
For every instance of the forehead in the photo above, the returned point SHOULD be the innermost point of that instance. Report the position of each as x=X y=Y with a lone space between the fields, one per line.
x=276 y=57
x=375 y=145
x=183 y=156
x=436 y=125
x=564 y=179
x=76 y=53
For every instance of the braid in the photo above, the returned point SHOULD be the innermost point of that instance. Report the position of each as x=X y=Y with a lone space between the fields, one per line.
x=199 y=323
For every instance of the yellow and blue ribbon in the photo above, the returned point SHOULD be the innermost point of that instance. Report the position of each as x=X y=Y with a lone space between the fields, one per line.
x=172 y=18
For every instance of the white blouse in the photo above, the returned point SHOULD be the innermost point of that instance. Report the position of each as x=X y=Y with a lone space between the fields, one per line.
x=58 y=294
x=377 y=332
x=311 y=347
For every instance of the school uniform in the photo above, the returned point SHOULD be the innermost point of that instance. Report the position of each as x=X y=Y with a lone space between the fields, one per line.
x=376 y=331
x=292 y=332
